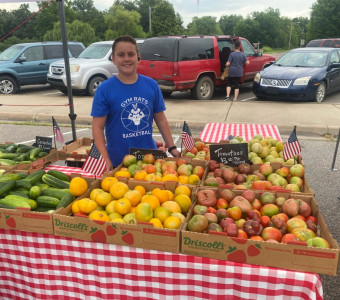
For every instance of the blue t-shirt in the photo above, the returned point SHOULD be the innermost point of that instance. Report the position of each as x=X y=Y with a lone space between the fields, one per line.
x=129 y=109
x=236 y=59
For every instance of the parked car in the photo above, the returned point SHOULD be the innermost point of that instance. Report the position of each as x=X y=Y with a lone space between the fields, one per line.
x=334 y=42
x=28 y=63
x=300 y=74
x=88 y=71
x=195 y=63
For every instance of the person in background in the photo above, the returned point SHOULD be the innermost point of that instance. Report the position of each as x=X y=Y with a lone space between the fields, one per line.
x=125 y=106
x=235 y=63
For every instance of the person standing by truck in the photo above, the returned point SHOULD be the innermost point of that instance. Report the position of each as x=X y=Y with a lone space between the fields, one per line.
x=235 y=63
x=125 y=105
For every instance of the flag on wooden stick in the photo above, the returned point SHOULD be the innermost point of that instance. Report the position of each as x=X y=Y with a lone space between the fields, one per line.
x=57 y=132
x=94 y=163
x=292 y=147
x=187 y=139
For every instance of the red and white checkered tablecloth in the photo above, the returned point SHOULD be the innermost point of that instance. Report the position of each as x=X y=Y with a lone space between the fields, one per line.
x=214 y=132
x=42 y=266
x=69 y=170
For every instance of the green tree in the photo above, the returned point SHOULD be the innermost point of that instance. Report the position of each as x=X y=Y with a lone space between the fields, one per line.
x=249 y=28
x=87 y=13
x=76 y=31
x=120 y=21
x=227 y=23
x=325 y=19
x=144 y=8
x=165 y=21
x=206 y=25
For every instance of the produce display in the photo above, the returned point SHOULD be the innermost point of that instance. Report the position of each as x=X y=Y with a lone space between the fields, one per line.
x=255 y=216
x=117 y=203
x=14 y=154
x=265 y=177
x=39 y=191
x=151 y=169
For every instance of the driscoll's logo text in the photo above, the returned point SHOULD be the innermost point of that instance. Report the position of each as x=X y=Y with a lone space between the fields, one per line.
x=79 y=226
x=207 y=245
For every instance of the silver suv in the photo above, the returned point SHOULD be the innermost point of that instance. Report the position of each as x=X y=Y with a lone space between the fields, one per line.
x=91 y=68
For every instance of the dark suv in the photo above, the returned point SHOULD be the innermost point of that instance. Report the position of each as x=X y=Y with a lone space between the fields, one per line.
x=195 y=63
x=334 y=43
x=28 y=63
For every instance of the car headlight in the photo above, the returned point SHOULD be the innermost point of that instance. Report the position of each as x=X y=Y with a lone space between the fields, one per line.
x=74 y=68
x=302 y=80
x=257 y=78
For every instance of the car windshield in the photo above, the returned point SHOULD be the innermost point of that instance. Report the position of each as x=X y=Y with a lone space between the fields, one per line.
x=307 y=59
x=10 y=52
x=95 y=51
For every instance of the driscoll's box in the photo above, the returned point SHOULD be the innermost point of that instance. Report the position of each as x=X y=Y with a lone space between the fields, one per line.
x=296 y=256
x=142 y=235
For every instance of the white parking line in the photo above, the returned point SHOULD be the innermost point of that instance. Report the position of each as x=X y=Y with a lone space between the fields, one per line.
x=51 y=136
x=54 y=93
x=248 y=99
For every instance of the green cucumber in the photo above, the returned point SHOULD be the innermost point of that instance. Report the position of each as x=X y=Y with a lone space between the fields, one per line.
x=14 y=203
x=35 y=192
x=42 y=154
x=47 y=201
x=55 y=182
x=36 y=176
x=22 y=175
x=33 y=204
x=9 y=177
x=65 y=201
x=23 y=183
x=8 y=155
x=7 y=162
x=42 y=186
x=6 y=187
x=58 y=174
x=57 y=193
x=16 y=193
x=34 y=153
x=24 y=149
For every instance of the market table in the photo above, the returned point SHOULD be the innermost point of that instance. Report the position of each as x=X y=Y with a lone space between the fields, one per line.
x=214 y=132
x=42 y=266
x=69 y=170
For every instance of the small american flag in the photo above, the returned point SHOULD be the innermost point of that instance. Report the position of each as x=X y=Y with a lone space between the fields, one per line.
x=187 y=139
x=57 y=132
x=94 y=163
x=292 y=147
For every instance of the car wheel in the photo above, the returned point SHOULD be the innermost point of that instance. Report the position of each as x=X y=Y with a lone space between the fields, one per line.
x=93 y=85
x=166 y=93
x=204 y=88
x=8 y=85
x=320 y=93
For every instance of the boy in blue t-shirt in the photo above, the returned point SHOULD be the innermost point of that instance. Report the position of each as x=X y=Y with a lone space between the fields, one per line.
x=235 y=63
x=125 y=106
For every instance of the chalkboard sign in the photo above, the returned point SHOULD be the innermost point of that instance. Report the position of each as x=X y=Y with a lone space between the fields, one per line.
x=140 y=152
x=229 y=154
x=43 y=142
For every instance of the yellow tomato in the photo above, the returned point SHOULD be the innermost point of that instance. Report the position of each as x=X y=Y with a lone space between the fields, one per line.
x=99 y=215
x=87 y=205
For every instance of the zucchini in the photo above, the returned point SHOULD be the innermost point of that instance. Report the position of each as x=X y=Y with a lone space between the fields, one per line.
x=23 y=183
x=18 y=193
x=57 y=193
x=34 y=153
x=14 y=203
x=7 y=162
x=8 y=155
x=9 y=177
x=65 y=201
x=36 y=176
x=33 y=204
x=47 y=201
x=35 y=192
x=58 y=174
x=55 y=182
x=24 y=149
x=6 y=187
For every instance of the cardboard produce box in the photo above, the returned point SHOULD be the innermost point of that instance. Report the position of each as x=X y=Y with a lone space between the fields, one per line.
x=142 y=235
x=76 y=152
x=295 y=256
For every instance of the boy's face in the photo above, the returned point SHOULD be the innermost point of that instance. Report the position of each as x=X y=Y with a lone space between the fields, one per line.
x=125 y=58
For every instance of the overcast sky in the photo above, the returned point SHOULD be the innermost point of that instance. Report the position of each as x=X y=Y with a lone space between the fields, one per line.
x=216 y=8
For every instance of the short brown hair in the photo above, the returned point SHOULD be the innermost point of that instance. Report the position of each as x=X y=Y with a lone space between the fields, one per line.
x=124 y=38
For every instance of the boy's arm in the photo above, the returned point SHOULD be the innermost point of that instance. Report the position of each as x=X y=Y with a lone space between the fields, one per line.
x=164 y=128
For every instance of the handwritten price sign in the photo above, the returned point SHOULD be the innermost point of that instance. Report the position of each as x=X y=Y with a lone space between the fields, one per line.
x=229 y=154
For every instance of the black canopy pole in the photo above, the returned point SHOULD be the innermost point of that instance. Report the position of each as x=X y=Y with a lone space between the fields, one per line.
x=72 y=115
x=336 y=151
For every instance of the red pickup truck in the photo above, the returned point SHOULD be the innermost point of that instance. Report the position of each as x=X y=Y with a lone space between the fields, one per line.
x=195 y=63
